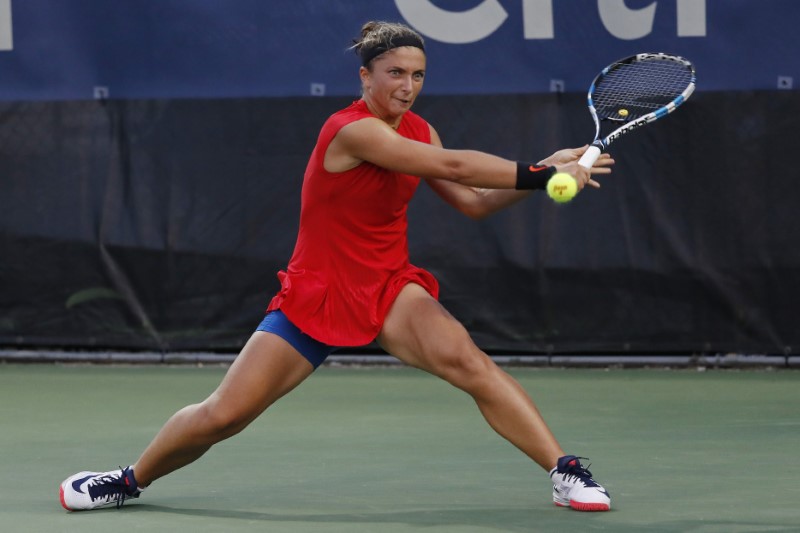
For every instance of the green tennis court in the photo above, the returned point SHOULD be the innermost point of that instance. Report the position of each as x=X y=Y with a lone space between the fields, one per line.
x=393 y=449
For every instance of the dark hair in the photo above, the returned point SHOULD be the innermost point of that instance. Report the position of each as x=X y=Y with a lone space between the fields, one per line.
x=378 y=37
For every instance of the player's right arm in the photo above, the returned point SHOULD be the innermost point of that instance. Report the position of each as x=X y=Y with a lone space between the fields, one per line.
x=476 y=183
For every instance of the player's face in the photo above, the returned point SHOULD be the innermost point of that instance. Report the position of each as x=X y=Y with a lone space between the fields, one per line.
x=394 y=82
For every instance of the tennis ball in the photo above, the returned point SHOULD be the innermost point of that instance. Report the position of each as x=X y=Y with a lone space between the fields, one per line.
x=623 y=112
x=562 y=187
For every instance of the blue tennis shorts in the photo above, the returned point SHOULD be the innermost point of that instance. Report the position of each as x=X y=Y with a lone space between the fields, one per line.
x=313 y=350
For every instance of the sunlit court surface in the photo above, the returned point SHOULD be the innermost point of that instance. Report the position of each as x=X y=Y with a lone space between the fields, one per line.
x=394 y=449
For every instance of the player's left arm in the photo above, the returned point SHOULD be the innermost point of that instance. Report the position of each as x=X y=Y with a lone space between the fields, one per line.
x=478 y=203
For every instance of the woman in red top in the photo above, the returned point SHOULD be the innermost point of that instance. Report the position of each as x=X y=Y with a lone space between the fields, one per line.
x=349 y=281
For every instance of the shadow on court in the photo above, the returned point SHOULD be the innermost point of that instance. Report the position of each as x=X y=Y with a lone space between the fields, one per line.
x=454 y=518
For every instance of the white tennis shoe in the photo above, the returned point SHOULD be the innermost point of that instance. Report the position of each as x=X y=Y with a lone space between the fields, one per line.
x=574 y=487
x=90 y=490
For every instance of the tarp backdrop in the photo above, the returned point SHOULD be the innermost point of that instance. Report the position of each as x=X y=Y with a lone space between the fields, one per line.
x=152 y=152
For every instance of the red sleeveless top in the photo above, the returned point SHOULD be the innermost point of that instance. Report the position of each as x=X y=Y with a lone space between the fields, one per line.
x=351 y=257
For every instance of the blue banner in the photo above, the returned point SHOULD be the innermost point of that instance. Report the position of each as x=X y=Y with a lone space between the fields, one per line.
x=83 y=49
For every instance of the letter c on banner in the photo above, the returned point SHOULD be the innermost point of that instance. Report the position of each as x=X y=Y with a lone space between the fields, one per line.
x=625 y=23
x=454 y=27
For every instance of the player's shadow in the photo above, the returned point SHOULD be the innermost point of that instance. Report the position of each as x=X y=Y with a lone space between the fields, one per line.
x=500 y=519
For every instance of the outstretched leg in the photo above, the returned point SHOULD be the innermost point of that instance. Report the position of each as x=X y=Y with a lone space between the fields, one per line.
x=419 y=331
x=267 y=368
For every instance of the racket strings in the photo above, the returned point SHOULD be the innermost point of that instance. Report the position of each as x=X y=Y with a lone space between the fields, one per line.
x=639 y=88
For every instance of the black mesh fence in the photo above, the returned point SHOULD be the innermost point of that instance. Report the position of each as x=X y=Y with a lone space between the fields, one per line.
x=161 y=225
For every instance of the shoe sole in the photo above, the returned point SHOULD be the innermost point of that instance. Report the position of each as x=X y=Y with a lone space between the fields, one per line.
x=589 y=507
x=585 y=507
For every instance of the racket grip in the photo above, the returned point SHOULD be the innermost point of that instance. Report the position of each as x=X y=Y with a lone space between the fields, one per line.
x=589 y=157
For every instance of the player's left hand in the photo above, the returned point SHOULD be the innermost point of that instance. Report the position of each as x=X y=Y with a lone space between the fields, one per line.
x=570 y=155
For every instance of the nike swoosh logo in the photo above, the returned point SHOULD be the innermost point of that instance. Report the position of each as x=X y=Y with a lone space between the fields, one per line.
x=604 y=492
x=78 y=482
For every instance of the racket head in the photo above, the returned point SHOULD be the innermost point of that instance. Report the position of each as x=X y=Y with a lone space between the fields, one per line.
x=640 y=89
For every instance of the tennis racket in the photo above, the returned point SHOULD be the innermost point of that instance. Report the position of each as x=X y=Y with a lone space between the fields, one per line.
x=636 y=91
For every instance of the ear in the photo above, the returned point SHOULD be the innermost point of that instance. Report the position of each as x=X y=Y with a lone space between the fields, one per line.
x=364 y=74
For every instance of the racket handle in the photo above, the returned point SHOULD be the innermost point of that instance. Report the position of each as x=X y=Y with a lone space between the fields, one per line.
x=589 y=157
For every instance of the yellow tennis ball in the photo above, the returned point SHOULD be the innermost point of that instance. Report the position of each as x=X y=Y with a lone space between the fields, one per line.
x=623 y=112
x=562 y=187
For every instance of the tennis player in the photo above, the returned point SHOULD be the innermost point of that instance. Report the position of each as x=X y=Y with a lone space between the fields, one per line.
x=349 y=281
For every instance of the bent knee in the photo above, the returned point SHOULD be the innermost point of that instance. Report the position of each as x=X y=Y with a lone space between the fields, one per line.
x=223 y=420
x=463 y=365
